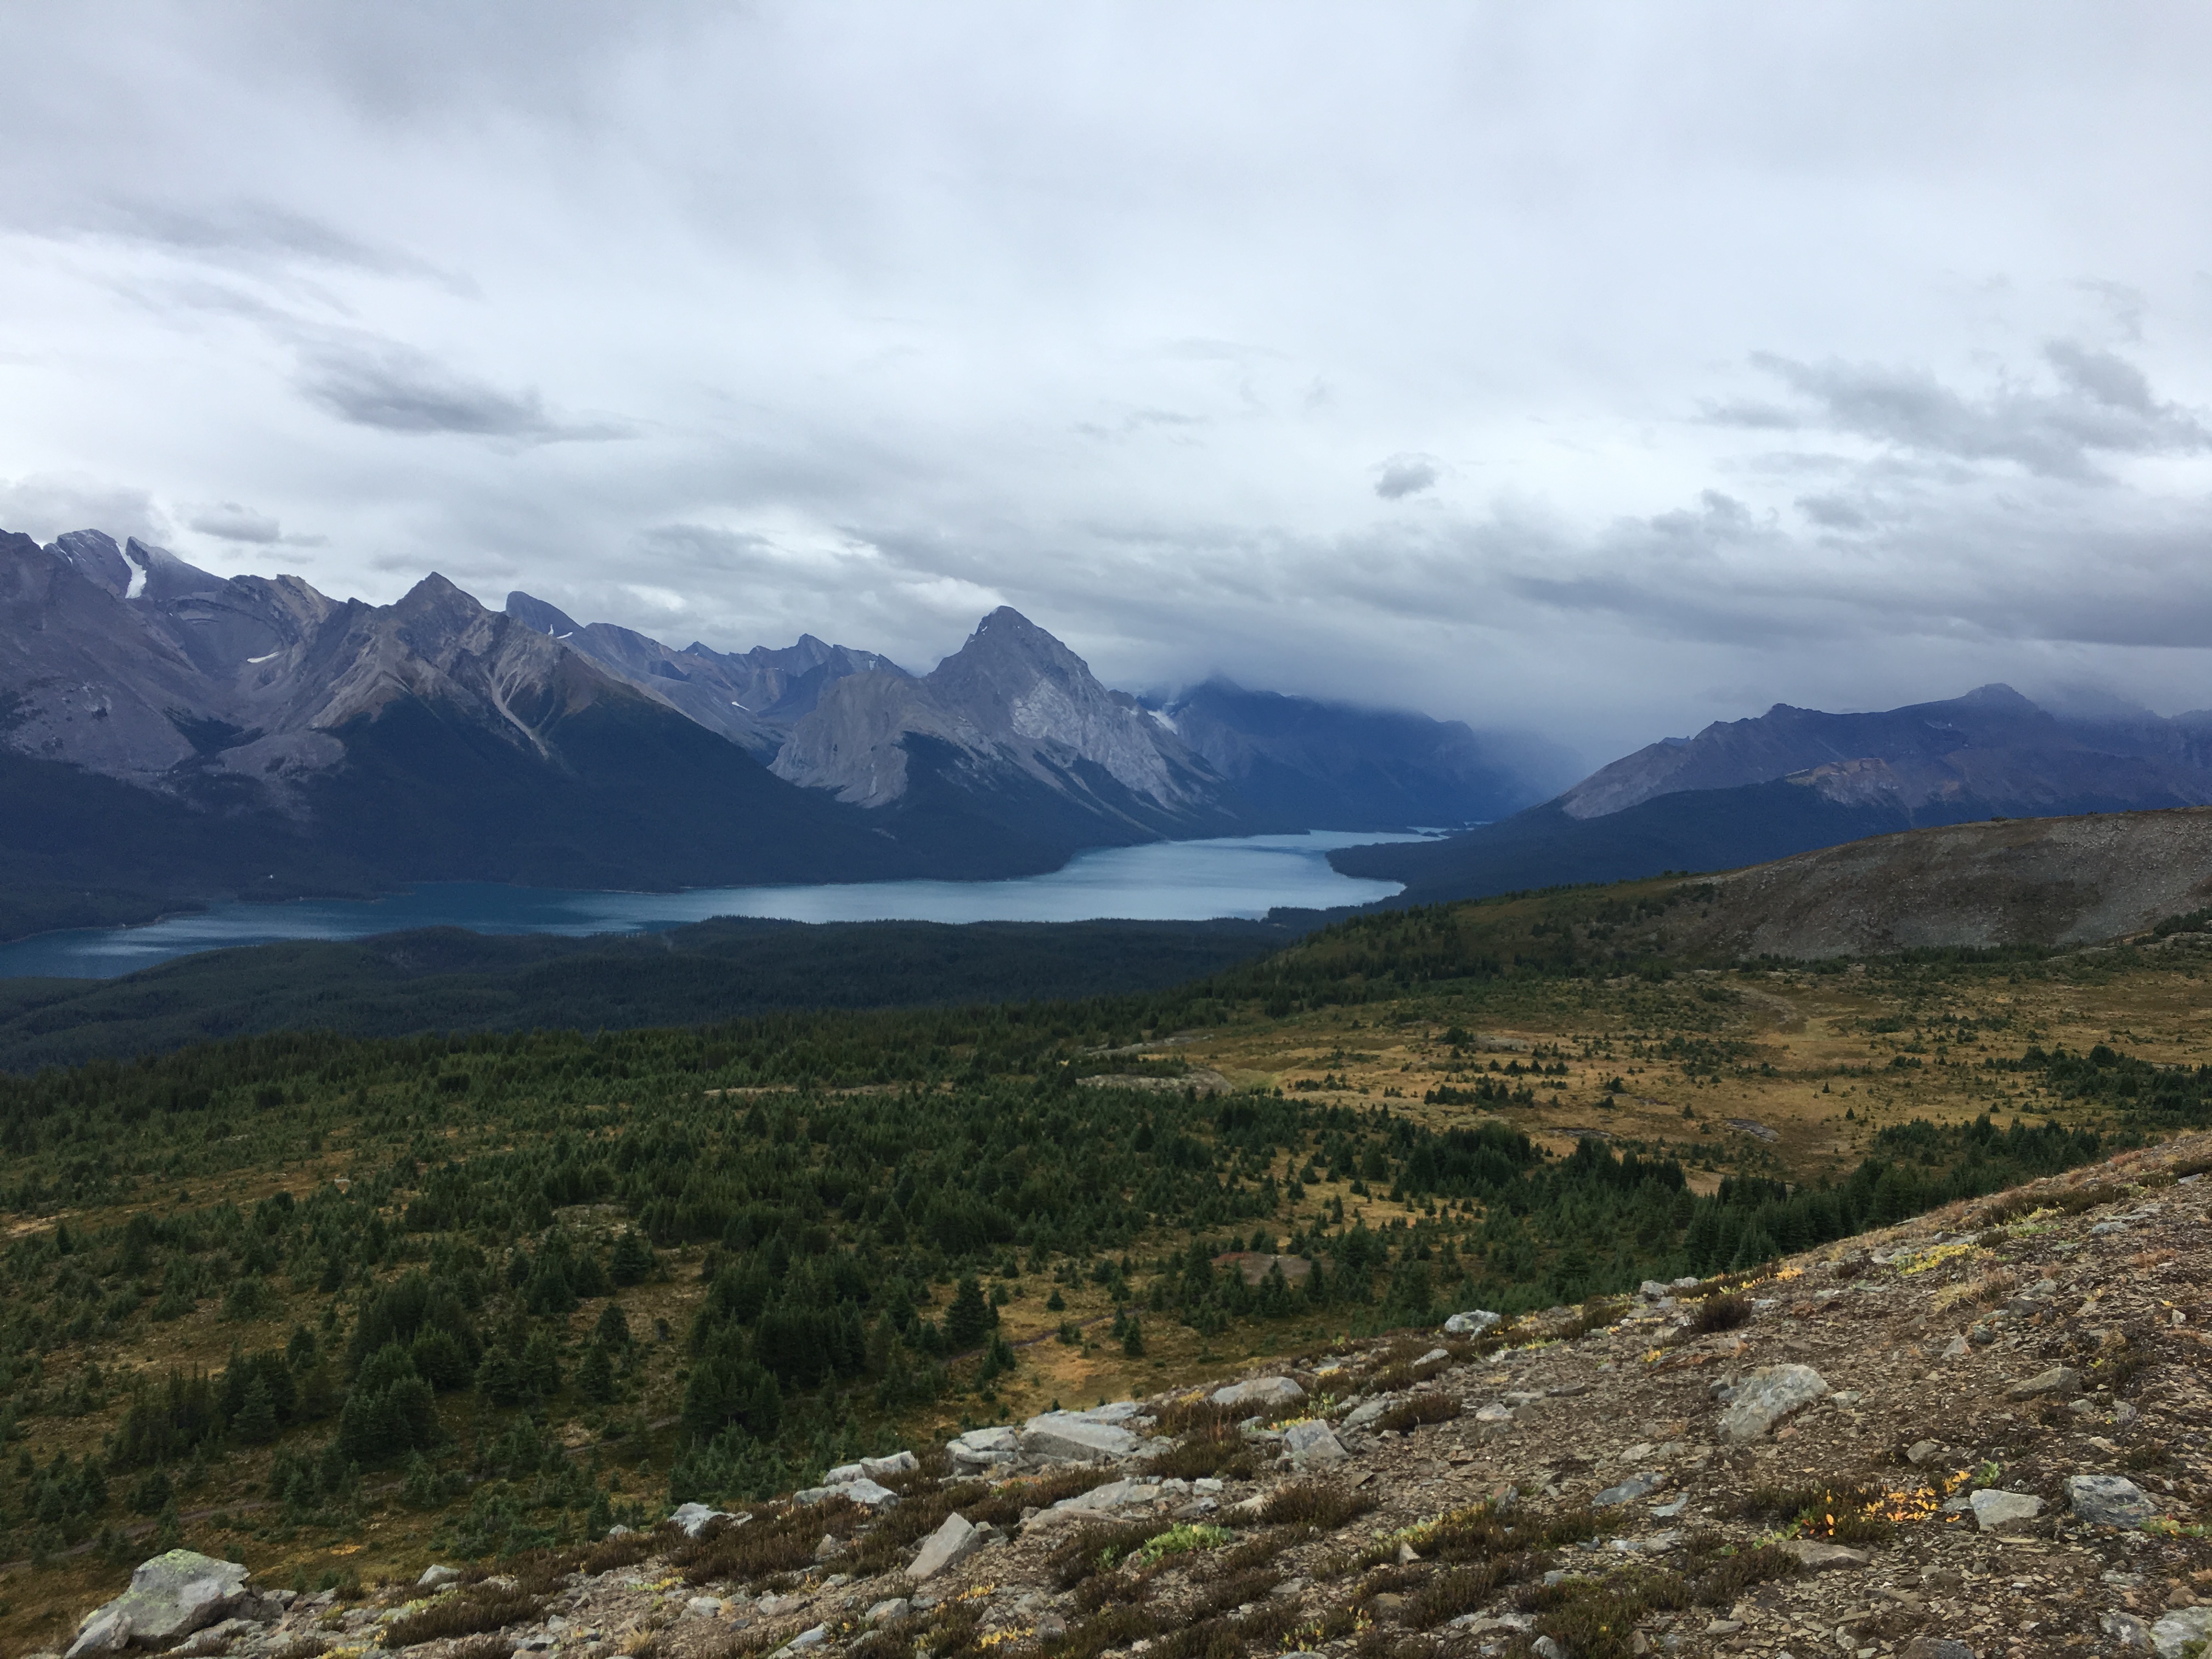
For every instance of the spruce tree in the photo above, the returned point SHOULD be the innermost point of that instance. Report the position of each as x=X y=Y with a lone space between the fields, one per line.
x=256 y=1422
x=969 y=1317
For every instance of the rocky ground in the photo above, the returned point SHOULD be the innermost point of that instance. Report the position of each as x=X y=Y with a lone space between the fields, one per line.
x=1983 y=1433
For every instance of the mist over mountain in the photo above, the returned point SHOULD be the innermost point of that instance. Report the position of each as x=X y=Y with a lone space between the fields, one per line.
x=1793 y=780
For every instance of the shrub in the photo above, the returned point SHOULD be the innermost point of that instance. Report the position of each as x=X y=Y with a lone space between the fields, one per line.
x=1409 y=1414
x=470 y=1613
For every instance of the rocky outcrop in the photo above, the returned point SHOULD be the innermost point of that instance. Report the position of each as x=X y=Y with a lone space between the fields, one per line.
x=171 y=1596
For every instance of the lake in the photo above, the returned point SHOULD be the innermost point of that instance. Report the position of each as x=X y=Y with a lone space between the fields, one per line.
x=1166 y=881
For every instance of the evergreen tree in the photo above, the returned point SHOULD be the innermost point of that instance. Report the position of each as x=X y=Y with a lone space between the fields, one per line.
x=632 y=1262
x=613 y=1329
x=595 y=1377
x=256 y=1422
x=969 y=1317
x=1133 y=1340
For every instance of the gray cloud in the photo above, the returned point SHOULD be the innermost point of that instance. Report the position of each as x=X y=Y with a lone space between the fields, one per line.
x=1406 y=475
x=230 y=522
x=2101 y=406
x=398 y=389
x=1801 y=364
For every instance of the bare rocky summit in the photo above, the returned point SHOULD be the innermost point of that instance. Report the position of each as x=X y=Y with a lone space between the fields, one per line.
x=1982 y=1432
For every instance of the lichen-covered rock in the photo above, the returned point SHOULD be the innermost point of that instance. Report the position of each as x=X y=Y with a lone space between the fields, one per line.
x=2170 y=1637
x=1311 y=1443
x=1767 y=1396
x=692 y=1519
x=980 y=1448
x=170 y=1597
x=2108 y=1500
x=1995 y=1510
x=1260 y=1392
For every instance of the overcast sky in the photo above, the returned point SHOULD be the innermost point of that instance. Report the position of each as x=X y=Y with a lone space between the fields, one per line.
x=1601 y=370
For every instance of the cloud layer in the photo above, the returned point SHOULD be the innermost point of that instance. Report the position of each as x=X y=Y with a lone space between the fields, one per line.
x=1577 y=368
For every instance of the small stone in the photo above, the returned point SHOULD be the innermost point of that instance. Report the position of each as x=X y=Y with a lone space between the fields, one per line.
x=1937 y=1647
x=1545 y=1648
x=1724 y=1626
x=807 y=1638
x=1433 y=1355
x=1994 y=1510
x=1815 y=1555
x=891 y=1607
x=2059 y=1380
x=2127 y=1630
x=951 y=1543
x=699 y=1607
x=1361 y=1415
x=1496 y=1411
x=1956 y=1348
x=1636 y=1487
x=2108 y=1500
x=1670 y=1510
x=1922 y=1451
x=829 y=1548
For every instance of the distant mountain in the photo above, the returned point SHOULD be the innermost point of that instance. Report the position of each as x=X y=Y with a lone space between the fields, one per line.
x=167 y=734
x=1014 y=732
x=753 y=700
x=1793 y=780
x=1331 y=766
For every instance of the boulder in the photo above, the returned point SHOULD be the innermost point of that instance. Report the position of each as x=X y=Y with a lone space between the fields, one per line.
x=951 y=1543
x=1074 y=1437
x=2108 y=1500
x=1365 y=1412
x=692 y=1519
x=2171 y=1635
x=895 y=1607
x=1311 y=1443
x=859 y=1490
x=980 y=1448
x=1260 y=1392
x=2057 y=1380
x=841 y=1473
x=437 y=1577
x=1473 y=1322
x=883 y=1468
x=170 y=1597
x=2129 y=1631
x=1112 y=1496
x=1994 y=1510
x=1766 y=1397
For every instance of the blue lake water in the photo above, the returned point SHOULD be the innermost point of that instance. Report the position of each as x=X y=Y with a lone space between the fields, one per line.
x=1167 y=881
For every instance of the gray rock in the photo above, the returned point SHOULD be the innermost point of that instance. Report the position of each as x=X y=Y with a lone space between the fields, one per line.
x=980 y=1448
x=1361 y=1415
x=891 y=1607
x=2127 y=1630
x=1112 y=1496
x=2108 y=1500
x=1766 y=1397
x=1994 y=1510
x=841 y=1473
x=1310 y=1443
x=1636 y=1487
x=1937 y=1647
x=692 y=1519
x=813 y=1637
x=1922 y=1451
x=951 y=1543
x=1670 y=1511
x=1655 y=1290
x=2059 y=1380
x=1072 y=1436
x=1260 y=1391
x=703 y=1606
x=1473 y=1322
x=170 y=1597
x=1814 y=1556
x=1433 y=1355
x=1496 y=1411
x=2173 y=1633
x=1545 y=1648
x=437 y=1577
x=867 y=1493
x=883 y=1468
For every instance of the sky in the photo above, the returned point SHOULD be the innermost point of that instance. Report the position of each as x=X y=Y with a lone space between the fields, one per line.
x=1599 y=371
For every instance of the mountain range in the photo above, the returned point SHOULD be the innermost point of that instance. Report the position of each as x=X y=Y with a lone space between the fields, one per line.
x=168 y=735
x=1792 y=780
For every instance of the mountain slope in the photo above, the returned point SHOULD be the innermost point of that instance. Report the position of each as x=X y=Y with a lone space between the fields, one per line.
x=1794 y=780
x=1329 y=766
x=1013 y=732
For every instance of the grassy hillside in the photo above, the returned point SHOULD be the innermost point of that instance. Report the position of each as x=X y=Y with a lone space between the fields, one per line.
x=332 y=1306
